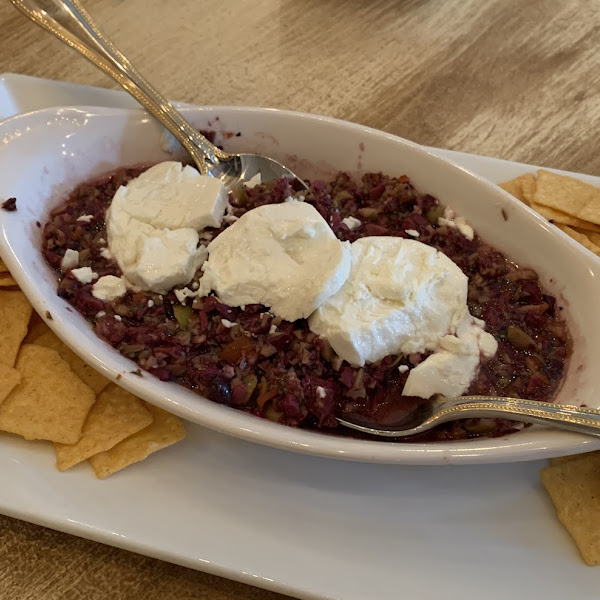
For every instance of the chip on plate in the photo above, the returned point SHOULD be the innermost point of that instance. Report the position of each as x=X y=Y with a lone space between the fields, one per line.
x=557 y=216
x=559 y=460
x=50 y=403
x=593 y=236
x=35 y=328
x=9 y=378
x=522 y=187
x=574 y=486
x=116 y=415
x=166 y=429
x=6 y=280
x=583 y=239
x=15 y=312
x=45 y=337
x=568 y=195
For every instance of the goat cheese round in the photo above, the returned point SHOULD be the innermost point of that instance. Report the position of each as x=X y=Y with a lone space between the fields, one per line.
x=405 y=297
x=283 y=256
x=153 y=223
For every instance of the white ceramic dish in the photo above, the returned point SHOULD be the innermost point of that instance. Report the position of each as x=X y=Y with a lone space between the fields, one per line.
x=45 y=153
x=201 y=503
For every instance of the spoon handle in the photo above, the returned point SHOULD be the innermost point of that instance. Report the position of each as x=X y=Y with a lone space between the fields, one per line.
x=70 y=23
x=581 y=420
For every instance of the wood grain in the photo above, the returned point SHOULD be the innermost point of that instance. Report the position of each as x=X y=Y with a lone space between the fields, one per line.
x=507 y=78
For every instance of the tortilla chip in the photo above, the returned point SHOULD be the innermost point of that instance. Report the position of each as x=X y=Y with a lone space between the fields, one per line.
x=85 y=372
x=35 y=329
x=568 y=195
x=529 y=185
x=6 y=280
x=514 y=188
x=580 y=237
x=558 y=460
x=165 y=430
x=556 y=216
x=9 y=378
x=522 y=187
x=593 y=236
x=15 y=312
x=574 y=487
x=116 y=415
x=50 y=403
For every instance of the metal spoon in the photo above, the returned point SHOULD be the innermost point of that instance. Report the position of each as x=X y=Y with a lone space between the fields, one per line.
x=441 y=409
x=70 y=22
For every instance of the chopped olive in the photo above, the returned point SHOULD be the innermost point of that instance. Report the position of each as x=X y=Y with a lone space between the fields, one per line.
x=250 y=382
x=521 y=274
x=272 y=414
x=221 y=392
x=368 y=213
x=182 y=314
x=434 y=214
x=519 y=339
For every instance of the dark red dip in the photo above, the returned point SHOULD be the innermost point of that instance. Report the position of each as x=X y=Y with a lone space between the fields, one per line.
x=276 y=375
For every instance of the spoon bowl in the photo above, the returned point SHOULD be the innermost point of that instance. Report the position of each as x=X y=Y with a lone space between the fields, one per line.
x=241 y=168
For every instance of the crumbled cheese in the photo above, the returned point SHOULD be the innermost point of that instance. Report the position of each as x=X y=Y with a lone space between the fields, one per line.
x=352 y=223
x=405 y=297
x=295 y=198
x=464 y=228
x=283 y=256
x=253 y=181
x=84 y=275
x=273 y=328
x=412 y=232
x=70 y=260
x=402 y=368
x=227 y=323
x=105 y=253
x=150 y=303
x=118 y=318
x=321 y=392
x=185 y=293
x=109 y=287
x=85 y=218
x=100 y=314
x=451 y=220
x=153 y=224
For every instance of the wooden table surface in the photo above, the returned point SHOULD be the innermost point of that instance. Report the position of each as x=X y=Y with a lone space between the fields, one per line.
x=515 y=79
